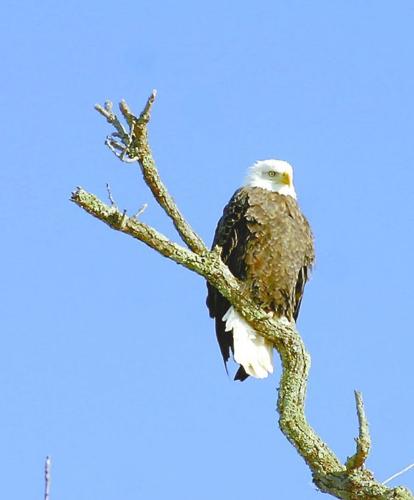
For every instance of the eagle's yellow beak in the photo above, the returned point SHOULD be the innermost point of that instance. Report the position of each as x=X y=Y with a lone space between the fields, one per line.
x=285 y=179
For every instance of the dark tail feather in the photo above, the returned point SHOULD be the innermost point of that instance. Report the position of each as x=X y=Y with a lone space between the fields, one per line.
x=241 y=374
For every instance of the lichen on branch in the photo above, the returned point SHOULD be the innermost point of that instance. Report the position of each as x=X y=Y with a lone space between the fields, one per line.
x=347 y=481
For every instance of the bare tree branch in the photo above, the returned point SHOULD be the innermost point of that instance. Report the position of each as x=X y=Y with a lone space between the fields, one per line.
x=48 y=465
x=134 y=146
x=350 y=481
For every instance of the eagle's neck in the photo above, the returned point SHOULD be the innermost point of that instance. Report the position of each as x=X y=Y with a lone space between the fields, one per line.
x=272 y=186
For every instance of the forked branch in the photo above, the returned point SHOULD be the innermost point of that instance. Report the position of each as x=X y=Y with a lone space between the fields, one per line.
x=133 y=146
x=347 y=481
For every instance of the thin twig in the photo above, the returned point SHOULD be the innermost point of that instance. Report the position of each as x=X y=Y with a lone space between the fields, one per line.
x=145 y=114
x=398 y=473
x=113 y=144
x=140 y=211
x=48 y=465
x=124 y=218
x=126 y=112
x=363 y=441
x=111 y=118
x=108 y=188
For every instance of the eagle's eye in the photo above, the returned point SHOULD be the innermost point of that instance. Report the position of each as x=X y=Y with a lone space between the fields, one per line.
x=271 y=173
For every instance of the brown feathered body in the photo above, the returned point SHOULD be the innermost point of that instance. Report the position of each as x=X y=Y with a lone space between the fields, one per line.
x=267 y=243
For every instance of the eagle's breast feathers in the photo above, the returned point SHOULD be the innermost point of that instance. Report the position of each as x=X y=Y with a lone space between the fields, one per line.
x=279 y=246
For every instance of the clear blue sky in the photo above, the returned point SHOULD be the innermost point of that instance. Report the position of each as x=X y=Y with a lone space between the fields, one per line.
x=108 y=360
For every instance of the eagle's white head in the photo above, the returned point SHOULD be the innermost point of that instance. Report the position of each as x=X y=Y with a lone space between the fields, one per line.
x=274 y=175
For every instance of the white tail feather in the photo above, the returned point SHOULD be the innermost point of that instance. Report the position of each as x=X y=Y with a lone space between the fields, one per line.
x=251 y=350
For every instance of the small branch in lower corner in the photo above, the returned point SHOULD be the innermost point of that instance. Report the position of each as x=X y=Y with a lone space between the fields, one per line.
x=48 y=466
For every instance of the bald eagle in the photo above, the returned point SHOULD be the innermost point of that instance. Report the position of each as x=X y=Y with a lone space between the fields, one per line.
x=267 y=243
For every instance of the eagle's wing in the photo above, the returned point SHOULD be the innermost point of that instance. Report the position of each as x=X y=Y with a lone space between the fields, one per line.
x=305 y=271
x=232 y=236
x=303 y=277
